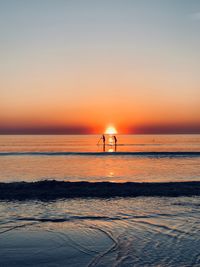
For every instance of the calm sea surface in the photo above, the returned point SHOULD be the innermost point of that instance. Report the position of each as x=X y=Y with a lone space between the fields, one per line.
x=79 y=158
x=142 y=231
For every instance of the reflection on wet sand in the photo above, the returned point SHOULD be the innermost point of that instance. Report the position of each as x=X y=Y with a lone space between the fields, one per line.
x=116 y=232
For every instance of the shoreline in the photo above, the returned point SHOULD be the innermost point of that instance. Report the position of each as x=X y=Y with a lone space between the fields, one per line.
x=52 y=190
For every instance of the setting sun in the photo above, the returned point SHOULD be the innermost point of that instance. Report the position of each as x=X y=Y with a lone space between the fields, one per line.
x=99 y=133
x=111 y=130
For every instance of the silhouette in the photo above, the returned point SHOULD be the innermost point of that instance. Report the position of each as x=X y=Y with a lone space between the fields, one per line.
x=103 y=139
x=104 y=142
x=104 y=147
x=110 y=141
x=115 y=140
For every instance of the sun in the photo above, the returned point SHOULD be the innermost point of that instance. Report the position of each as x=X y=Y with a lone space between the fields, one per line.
x=111 y=130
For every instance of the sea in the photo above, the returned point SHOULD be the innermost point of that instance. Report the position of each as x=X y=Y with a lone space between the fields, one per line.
x=112 y=231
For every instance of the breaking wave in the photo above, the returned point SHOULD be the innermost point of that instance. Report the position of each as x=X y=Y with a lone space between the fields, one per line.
x=51 y=189
x=139 y=153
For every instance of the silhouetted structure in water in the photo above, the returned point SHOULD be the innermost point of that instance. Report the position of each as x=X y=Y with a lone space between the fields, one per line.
x=103 y=139
x=110 y=143
x=115 y=140
x=104 y=142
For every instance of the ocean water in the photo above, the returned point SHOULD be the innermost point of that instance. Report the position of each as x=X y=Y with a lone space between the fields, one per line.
x=79 y=158
x=140 y=231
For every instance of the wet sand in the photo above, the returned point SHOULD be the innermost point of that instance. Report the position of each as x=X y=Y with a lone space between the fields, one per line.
x=25 y=245
x=120 y=232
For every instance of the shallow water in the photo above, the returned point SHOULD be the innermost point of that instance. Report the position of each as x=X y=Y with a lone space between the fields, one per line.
x=141 y=231
x=93 y=232
x=78 y=158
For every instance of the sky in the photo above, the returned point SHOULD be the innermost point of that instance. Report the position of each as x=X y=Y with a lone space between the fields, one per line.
x=70 y=66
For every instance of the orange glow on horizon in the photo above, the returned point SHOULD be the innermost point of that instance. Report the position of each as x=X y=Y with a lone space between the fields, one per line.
x=111 y=130
x=84 y=78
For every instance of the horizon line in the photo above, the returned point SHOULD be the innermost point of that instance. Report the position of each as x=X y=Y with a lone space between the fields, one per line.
x=86 y=130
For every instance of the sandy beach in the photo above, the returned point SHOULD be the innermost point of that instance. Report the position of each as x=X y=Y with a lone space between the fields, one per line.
x=95 y=232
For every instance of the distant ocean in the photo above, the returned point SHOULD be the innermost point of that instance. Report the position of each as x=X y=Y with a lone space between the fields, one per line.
x=138 y=158
x=91 y=231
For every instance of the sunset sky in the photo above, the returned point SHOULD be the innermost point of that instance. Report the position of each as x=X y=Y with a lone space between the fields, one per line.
x=70 y=66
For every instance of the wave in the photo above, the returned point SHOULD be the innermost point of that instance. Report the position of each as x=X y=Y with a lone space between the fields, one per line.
x=71 y=218
x=137 y=153
x=50 y=190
